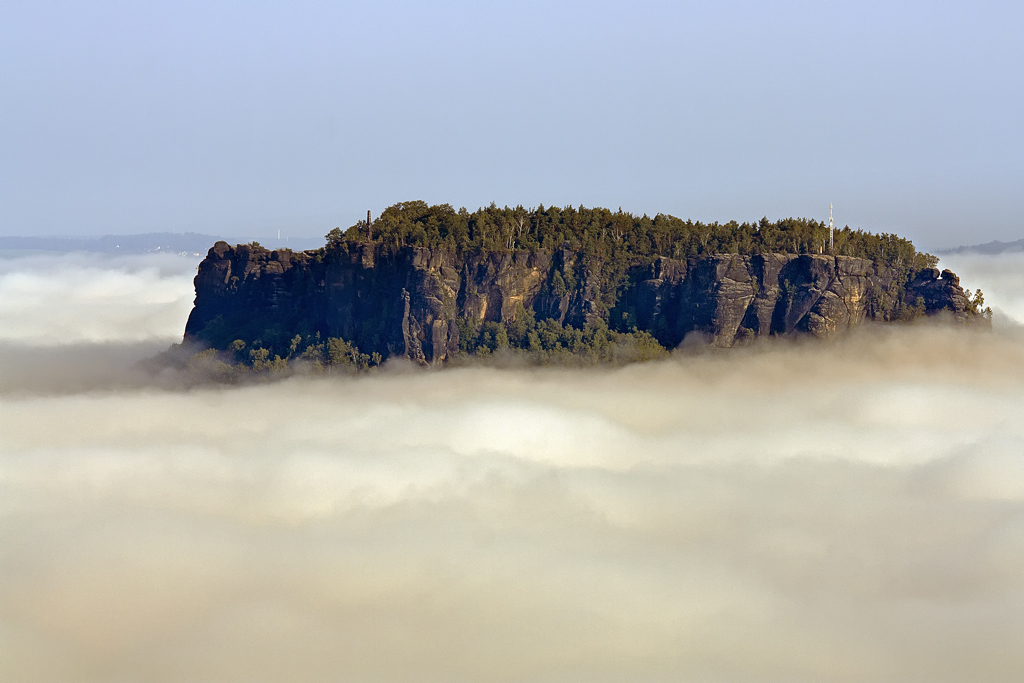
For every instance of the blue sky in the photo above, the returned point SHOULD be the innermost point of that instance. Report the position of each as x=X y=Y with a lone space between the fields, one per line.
x=247 y=118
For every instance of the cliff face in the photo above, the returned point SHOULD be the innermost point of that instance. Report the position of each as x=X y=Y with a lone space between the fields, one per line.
x=407 y=303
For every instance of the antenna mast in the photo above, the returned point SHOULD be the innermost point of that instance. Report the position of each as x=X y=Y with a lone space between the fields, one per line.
x=831 y=240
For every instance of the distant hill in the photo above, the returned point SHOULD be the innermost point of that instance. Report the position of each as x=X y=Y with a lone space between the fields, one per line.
x=189 y=243
x=147 y=243
x=994 y=247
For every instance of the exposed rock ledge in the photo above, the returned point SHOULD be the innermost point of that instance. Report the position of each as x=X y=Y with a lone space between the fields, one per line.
x=407 y=302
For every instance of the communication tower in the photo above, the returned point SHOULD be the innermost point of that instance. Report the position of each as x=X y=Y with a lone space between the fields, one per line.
x=831 y=240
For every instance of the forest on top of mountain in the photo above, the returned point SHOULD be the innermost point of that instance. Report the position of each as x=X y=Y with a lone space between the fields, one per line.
x=616 y=236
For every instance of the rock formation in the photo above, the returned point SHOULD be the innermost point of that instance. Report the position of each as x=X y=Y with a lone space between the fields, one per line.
x=407 y=301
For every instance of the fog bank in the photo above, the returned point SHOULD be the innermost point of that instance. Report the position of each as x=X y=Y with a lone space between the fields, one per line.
x=791 y=511
x=808 y=512
x=999 y=276
x=88 y=298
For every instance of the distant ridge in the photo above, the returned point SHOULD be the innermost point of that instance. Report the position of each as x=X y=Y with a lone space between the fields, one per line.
x=189 y=243
x=154 y=242
x=994 y=247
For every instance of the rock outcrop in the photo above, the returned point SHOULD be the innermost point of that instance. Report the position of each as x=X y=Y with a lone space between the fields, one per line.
x=408 y=302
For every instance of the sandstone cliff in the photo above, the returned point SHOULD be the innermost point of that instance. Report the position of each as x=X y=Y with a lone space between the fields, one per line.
x=408 y=301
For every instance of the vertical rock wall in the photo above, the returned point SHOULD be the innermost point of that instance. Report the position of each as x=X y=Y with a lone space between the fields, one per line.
x=407 y=303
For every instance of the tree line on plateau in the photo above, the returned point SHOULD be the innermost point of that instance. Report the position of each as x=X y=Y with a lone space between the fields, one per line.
x=617 y=237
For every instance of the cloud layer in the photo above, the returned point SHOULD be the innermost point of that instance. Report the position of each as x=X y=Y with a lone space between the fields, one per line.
x=844 y=512
x=77 y=298
x=1000 y=277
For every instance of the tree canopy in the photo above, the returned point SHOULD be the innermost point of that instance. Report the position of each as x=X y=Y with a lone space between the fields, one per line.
x=617 y=236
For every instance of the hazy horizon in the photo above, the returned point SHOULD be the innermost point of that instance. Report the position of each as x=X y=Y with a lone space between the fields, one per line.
x=282 y=239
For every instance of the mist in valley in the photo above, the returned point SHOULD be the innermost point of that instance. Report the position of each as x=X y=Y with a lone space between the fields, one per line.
x=789 y=511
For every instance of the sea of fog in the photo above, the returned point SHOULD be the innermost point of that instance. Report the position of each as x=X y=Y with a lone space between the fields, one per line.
x=789 y=512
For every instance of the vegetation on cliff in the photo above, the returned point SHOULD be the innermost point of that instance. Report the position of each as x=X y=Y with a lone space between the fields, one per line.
x=617 y=238
x=523 y=338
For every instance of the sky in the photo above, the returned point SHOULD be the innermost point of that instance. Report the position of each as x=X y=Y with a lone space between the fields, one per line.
x=242 y=119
